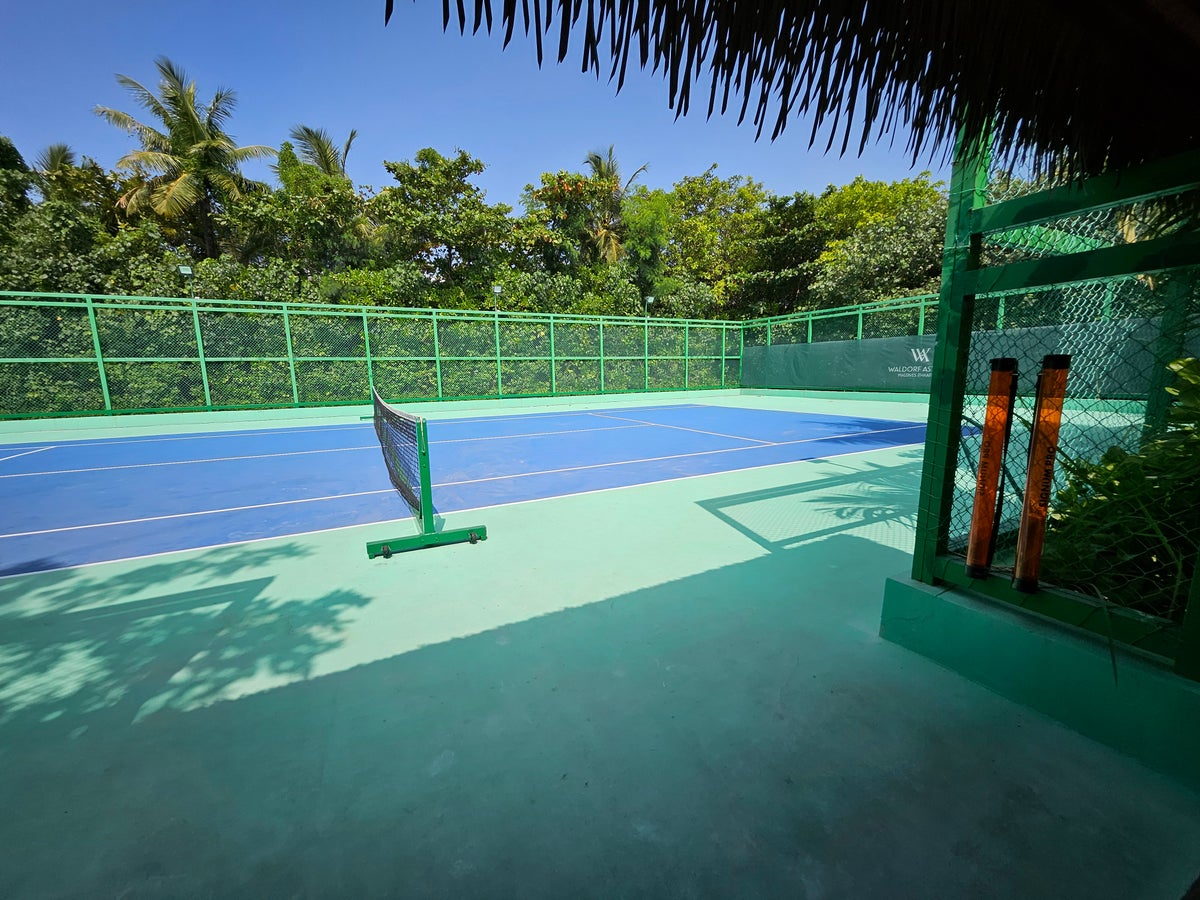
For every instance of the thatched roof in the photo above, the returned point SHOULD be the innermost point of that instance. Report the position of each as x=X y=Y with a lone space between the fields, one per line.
x=1104 y=82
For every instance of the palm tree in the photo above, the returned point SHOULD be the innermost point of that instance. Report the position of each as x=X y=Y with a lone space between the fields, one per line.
x=50 y=166
x=316 y=147
x=606 y=222
x=189 y=165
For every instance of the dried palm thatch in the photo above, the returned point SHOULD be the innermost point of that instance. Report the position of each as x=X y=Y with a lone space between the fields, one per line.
x=1083 y=85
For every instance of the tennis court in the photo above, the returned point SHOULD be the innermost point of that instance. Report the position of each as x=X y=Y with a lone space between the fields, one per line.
x=85 y=501
x=660 y=676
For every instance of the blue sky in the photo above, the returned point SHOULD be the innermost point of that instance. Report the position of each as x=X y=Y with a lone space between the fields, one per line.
x=410 y=85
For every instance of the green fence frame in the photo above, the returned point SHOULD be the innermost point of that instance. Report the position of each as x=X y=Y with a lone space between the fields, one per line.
x=964 y=276
x=523 y=354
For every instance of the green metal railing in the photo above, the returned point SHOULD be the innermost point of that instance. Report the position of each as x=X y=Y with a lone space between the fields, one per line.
x=901 y=317
x=84 y=354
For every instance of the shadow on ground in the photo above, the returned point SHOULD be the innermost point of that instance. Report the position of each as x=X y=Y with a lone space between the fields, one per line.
x=733 y=733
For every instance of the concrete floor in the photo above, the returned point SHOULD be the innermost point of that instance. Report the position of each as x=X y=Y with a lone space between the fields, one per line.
x=668 y=691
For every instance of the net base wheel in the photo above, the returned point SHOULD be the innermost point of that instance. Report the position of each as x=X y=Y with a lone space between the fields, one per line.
x=473 y=538
x=386 y=552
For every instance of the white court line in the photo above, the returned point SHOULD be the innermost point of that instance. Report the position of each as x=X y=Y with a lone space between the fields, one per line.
x=249 y=432
x=500 y=437
x=202 y=512
x=187 y=462
x=456 y=512
x=630 y=462
x=26 y=453
x=556 y=415
x=735 y=437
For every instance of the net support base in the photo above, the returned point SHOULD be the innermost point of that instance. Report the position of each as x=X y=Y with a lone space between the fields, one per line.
x=432 y=539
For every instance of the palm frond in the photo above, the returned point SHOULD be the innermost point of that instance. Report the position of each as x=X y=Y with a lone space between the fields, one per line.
x=173 y=197
x=54 y=159
x=1050 y=84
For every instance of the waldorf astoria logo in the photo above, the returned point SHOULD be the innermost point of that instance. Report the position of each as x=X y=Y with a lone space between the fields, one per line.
x=920 y=367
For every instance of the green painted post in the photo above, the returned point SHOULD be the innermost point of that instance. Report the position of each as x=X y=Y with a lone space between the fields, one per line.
x=200 y=355
x=741 y=352
x=1110 y=291
x=646 y=354
x=553 y=361
x=91 y=311
x=499 y=374
x=687 y=358
x=968 y=191
x=1187 y=660
x=1000 y=313
x=602 y=356
x=724 y=351
x=858 y=336
x=768 y=333
x=810 y=320
x=437 y=353
x=367 y=350
x=921 y=318
x=287 y=335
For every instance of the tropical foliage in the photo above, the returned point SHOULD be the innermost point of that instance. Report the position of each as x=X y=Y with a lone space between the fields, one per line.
x=593 y=240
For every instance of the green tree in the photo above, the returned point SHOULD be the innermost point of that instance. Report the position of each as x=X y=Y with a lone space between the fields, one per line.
x=315 y=221
x=188 y=167
x=435 y=217
x=714 y=223
x=885 y=240
x=15 y=182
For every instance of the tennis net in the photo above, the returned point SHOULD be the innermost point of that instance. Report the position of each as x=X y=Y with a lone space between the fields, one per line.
x=405 y=444
x=404 y=440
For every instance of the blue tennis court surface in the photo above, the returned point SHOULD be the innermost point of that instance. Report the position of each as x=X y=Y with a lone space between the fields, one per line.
x=75 y=502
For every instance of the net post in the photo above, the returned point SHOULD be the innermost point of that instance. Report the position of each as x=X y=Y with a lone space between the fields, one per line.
x=287 y=336
x=428 y=525
x=200 y=354
x=91 y=311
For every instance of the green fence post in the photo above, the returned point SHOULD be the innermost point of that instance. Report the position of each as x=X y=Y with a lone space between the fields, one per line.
x=200 y=355
x=602 y=356
x=499 y=374
x=553 y=361
x=687 y=358
x=367 y=350
x=968 y=190
x=1187 y=660
x=646 y=353
x=724 y=351
x=741 y=352
x=810 y=321
x=91 y=311
x=768 y=334
x=921 y=318
x=437 y=353
x=287 y=335
x=1000 y=313
x=858 y=336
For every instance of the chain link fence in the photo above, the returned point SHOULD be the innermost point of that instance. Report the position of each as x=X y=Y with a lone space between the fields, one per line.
x=81 y=354
x=1124 y=526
